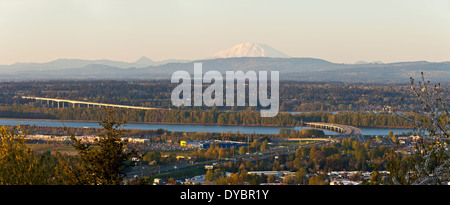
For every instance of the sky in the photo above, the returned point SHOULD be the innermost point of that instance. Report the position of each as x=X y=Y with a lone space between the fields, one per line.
x=344 y=31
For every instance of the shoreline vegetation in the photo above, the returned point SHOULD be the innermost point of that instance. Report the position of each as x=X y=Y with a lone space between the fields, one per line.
x=246 y=118
x=205 y=124
x=156 y=123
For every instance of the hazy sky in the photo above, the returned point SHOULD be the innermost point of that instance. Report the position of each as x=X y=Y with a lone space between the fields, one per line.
x=343 y=31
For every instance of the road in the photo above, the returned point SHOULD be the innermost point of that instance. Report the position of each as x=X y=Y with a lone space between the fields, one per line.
x=246 y=157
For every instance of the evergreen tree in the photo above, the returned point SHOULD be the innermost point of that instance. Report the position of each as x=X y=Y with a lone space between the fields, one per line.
x=105 y=159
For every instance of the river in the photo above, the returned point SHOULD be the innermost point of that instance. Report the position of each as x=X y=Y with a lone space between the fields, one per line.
x=186 y=128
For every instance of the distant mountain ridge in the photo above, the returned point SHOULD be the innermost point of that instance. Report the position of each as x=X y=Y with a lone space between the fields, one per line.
x=298 y=69
x=244 y=57
x=64 y=63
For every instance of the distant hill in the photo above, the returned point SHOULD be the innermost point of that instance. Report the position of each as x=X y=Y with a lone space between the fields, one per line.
x=79 y=63
x=302 y=69
x=244 y=57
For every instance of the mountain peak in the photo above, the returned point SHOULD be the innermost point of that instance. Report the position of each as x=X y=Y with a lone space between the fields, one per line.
x=250 y=50
x=143 y=60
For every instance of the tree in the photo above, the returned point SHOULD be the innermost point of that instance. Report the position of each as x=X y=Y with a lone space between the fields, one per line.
x=171 y=181
x=253 y=179
x=316 y=180
x=152 y=156
x=431 y=162
x=375 y=178
x=104 y=160
x=289 y=179
x=209 y=177
x=242 y=150
x=271 y=179
x=392 y=136
x=18 y=164
x=265 y=145
x=300 y=176
x=254 y=146
x=69 y=171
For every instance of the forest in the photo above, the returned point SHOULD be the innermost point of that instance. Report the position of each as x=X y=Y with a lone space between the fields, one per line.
x=294 y=95
x=211 y=117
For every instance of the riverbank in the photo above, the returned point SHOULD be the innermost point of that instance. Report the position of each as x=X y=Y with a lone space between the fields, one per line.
x=156 y=123
x=205 y=124
x=181 y=127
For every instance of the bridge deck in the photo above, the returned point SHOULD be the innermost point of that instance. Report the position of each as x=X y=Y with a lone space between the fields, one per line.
x=90 y=103
x=343 y=129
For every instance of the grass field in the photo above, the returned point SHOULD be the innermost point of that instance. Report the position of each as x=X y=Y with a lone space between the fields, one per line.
x=41 y=148
x=181 y=175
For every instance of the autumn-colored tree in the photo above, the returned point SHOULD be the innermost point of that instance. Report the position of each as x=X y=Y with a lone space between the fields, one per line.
x=289 y=179
x=316 y=180
x=375 y=178
x=209 y=177
x=18 y=164
x=271 y=178
x=265 y=145
x=300 y=176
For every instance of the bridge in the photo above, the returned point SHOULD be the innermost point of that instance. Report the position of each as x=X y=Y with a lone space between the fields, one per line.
x=79 y=103
x=344 y=130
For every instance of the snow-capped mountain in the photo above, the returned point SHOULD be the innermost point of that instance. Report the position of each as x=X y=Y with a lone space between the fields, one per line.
x=250 y=50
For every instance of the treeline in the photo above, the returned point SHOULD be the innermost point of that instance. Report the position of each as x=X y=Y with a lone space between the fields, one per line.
x=212 y=117
x=77 y=131
x=304 y=133
x=359 y=119
x=326 y=96
x=294 y=95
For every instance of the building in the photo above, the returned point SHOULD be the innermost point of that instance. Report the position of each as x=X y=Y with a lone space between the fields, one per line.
x=196 y=180
x=138 y=140
x=220 y=143
x=158 y=181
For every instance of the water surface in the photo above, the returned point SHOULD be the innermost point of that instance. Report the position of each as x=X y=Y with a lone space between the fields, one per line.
x=187 y=128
